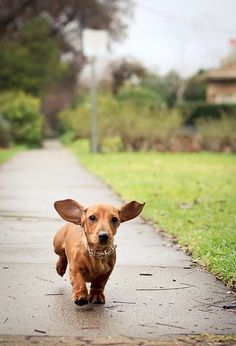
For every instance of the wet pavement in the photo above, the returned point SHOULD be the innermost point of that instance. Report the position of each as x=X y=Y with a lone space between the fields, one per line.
x=155 y=289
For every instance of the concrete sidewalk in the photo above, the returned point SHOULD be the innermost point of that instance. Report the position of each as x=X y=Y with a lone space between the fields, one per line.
x=155 y=289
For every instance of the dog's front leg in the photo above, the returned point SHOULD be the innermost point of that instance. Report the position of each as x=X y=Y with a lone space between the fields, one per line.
x=61 y=265
x=96 y=295
x=80 y=292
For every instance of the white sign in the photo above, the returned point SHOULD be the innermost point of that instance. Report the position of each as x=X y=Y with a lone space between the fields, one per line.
x=94 y=42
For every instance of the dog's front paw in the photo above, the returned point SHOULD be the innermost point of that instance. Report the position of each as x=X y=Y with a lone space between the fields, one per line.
x=97 y=298
x=80 y=299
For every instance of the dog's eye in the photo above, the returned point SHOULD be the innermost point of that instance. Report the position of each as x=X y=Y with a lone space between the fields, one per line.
x=92 y=218
x=114 y=219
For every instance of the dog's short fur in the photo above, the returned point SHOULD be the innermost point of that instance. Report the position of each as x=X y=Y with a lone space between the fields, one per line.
x=87 y=243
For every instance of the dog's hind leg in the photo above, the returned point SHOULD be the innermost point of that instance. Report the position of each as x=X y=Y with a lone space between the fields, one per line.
x=59 y=248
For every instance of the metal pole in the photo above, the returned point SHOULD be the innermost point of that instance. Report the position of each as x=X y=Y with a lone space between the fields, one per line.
x=94 y=134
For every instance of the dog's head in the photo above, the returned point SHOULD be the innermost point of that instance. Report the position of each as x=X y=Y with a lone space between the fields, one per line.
x=100 y=221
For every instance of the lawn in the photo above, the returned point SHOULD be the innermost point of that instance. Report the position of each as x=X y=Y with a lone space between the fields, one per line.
x=6 y=154
x=191 y=196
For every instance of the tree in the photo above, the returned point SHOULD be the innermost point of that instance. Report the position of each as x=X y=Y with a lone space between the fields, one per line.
x=125 y=71
x=67 y=19
x=230 y=59
x=28 y=64
x=174 y=85
x=108 y=15
x=196 y=87
x=31 y=60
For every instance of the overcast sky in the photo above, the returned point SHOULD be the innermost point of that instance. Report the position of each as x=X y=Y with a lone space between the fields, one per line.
x=184 y=35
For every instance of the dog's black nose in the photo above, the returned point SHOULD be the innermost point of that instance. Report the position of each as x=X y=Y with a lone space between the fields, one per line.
x=103 y=237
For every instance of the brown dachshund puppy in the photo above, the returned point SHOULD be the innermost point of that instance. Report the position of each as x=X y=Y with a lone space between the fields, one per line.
x=87 y=243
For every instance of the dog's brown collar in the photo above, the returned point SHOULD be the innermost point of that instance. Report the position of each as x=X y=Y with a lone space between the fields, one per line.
x=103 y=253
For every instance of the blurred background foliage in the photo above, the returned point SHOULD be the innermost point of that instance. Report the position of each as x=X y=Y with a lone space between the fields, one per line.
x=32 y=61
x=138 y=122
x=42 y=94
x=20 y=121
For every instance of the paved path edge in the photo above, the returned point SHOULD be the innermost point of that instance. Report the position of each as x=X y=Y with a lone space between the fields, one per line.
x=196 y=340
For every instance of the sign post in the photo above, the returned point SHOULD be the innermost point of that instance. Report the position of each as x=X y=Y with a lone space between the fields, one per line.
x=95 y=44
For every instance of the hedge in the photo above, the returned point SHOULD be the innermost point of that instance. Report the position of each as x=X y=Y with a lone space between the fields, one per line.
x=195 y=110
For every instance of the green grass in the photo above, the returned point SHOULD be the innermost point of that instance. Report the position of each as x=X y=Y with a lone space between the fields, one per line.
x=191 y=196
x=6 y=154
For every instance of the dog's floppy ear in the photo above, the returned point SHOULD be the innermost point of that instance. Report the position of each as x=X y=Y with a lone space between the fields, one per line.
x=130 y=210
x=69 y=210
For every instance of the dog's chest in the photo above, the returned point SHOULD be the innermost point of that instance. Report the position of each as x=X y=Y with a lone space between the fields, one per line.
x=96 y=268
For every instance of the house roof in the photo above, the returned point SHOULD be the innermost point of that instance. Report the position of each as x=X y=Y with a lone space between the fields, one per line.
x=222 y=74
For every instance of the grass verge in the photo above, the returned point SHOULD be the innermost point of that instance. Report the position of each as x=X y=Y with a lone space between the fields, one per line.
x=6 y=154
x=191 y=196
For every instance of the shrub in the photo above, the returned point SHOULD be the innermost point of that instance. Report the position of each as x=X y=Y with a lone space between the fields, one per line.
x=140 y=96
x=111 y=144
x=218 y=134
x=5 y=133
x=22 y=113
x=123 y=124
x=144 y=128
x=68 y=137
x=78 y=120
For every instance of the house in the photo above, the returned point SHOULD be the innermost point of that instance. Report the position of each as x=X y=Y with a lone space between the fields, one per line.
x=221 y=85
